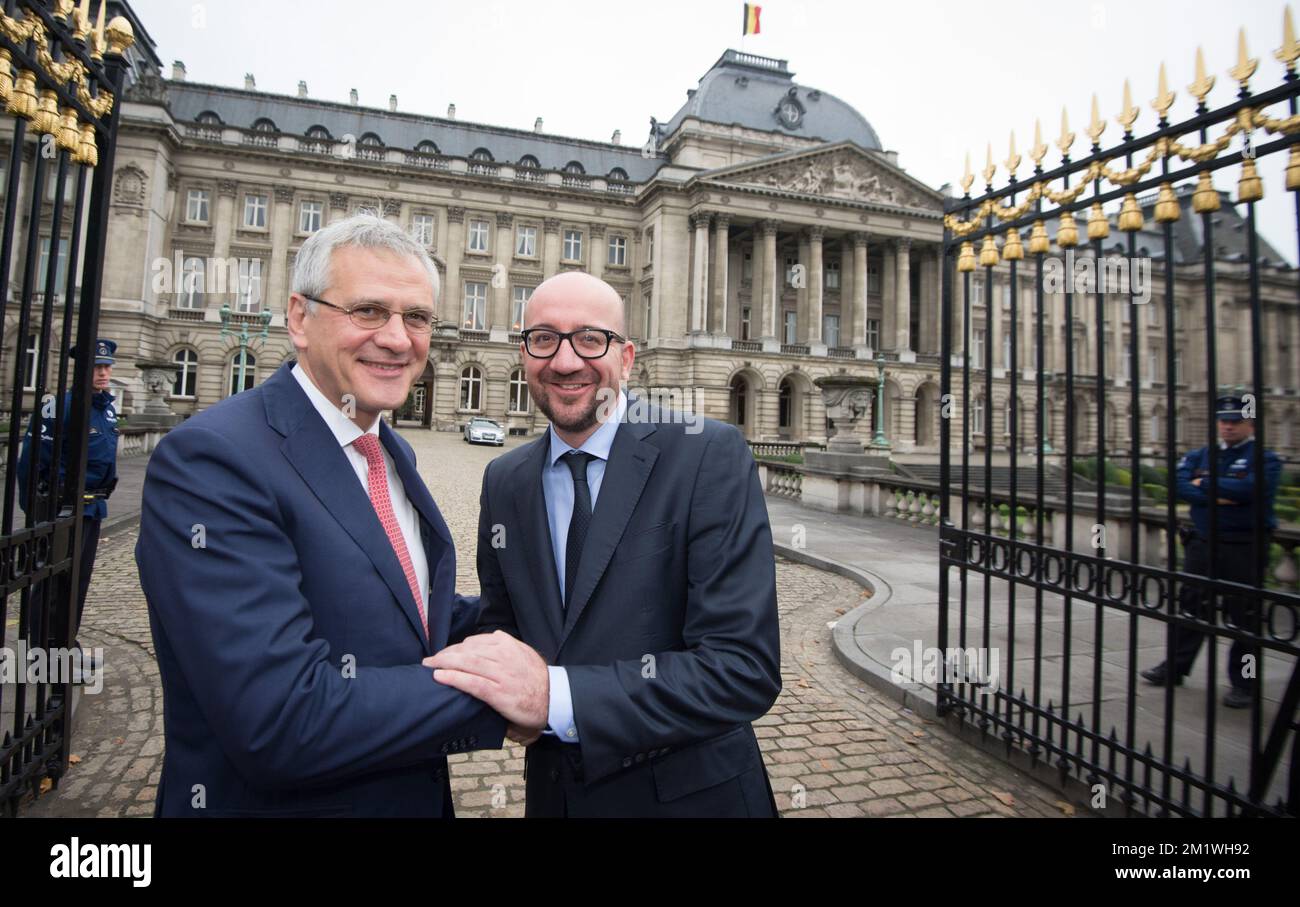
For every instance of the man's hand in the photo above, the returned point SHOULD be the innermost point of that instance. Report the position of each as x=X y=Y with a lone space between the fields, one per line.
x=504 y=673
x=526 y=736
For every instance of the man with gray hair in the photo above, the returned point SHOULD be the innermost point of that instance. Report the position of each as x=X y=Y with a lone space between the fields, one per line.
x=298 y=571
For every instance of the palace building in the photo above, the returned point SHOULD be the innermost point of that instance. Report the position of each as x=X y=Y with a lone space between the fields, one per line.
x=761 y=237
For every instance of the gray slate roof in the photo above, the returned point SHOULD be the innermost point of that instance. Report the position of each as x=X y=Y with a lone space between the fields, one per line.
x=745 y=89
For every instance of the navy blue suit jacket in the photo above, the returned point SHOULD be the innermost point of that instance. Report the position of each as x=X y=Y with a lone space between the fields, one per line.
x=287 y=639
x=671 y=638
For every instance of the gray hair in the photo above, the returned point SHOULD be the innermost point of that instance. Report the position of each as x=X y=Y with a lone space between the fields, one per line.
x=311 y=271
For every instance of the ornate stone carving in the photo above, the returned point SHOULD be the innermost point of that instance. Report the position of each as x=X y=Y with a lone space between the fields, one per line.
x=722 y=221
x=227 y=187
x=597 y=231
x=843 y=175
x=284 y=195
x=769 y=227
x=816 y=234
x=551 y=225
x=339 y=201
x=505 y=219
x=456 y=215
x=130 y=186
x=149 y=88
x=392 y=207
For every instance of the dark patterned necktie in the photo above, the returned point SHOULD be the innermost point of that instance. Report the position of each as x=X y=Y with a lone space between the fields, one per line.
x=577 y=462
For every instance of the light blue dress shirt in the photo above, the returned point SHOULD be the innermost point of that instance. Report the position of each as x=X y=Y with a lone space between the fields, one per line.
x=557 y=487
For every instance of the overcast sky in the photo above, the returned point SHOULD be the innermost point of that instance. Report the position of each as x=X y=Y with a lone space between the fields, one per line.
x=934 y=78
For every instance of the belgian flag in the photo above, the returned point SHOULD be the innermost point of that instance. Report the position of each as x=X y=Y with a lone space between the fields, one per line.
x=751 y=24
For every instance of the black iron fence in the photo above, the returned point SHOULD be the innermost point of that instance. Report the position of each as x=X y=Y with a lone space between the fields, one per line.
x=60 y=75
x=1076 y=619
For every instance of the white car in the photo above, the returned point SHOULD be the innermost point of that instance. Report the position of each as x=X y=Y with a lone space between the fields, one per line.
x=484 y=431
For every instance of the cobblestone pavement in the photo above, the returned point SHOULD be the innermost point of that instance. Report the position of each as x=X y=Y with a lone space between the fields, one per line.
x=832 y=746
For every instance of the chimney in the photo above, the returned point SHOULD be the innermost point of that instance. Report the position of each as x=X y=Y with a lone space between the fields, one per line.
x=392 y=103
x=250 y=84
x=178 y=71
x=892 y=157
x=302 y=89
x=352 y=97
x=451 y=111
x=617 y=137
x=537 y=125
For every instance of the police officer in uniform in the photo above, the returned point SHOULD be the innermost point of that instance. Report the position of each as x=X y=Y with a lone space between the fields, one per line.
x=101 y=472
x=1235 y=464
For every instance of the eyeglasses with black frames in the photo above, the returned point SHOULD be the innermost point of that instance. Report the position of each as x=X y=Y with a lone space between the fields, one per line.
x=588 y=343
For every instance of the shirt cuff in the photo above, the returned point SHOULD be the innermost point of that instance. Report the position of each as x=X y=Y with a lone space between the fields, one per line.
x=559 y=714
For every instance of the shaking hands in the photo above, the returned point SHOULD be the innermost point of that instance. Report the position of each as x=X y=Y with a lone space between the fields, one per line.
x=503 y=673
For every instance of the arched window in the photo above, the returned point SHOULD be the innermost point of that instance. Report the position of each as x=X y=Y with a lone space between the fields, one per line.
x=243 y=364
x=264 y=125
x=618 y=173
x=427 y=147
x=481 y=154
x=481 y=162
x=519 y=402
x=187 y=375
x=574 y=167
x=319 y=132
x=471 y=388
x=370 y=147
x=786 y=399
x=208 y=118
x=192 y=280
x=528 y=162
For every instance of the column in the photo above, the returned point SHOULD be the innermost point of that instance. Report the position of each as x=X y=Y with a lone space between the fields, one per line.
x=550 y=246
x=598 y=252
x=223 y=228
x=768 y=290
x=451 y=291
x=699 y=273
x=802 y=255
x=903 y=313
x=860 y=284
x=888 y=275
x=993 y=334
x=816 y=276
x=498 y=320
x=721 y=256
x=958 y=316
x=277 y=293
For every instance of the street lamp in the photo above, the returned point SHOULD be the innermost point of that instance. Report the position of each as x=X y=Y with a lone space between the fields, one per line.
x=880 y=441
x=264 y=316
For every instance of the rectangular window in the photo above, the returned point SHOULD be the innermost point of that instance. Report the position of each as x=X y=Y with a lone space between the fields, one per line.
x=60 y=268
x=977 y=292
x=520 y=299
x=747 y=266
x=977 y=348
x=791 y=327
x=190 y=292
x=648 y=307
x=572 y=245
x=789 y=271
x=1125 y=367
x=650 y=246
x=617 y=255
x=1153 y=313
x=249 y=296
x=831 y=330
x=478 y=236
x=196 y=206
x=526 y=242
x=1006 y=350
x=832 y=275
x=309 y=217
x=475 y=306
x=422 y=229
x=744 y=322
x=873 y=280
x=873 y=333
x=255 y=212
x=29 y=371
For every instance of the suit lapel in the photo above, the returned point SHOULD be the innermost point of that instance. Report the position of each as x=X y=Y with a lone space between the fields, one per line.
x=535 y=530
x=628 y=469
x=314 y=452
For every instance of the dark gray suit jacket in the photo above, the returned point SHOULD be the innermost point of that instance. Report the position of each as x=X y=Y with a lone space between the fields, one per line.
x=671 y=639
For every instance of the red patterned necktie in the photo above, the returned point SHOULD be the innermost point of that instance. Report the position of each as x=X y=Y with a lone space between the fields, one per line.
x=377 y=479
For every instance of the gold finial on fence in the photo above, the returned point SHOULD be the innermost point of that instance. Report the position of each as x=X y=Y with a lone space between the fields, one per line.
x=989 y=252
x=1013 y=249
x=1098 y=125
x=1067 y=232
x=1203 y=83
x=1164 y=98
x=1013 y=159
x=46 y=119
x=990 y=168
x=81 y=21
x=1167 y=207
x=1245 y=67
x=1098 y=225
x=88 y=152
x=1206 y=198
x=1039 y=244
x=1039 y=150
x=966 y=258
x=6 y=75
x=120 y=35
x=22 y=100
x=69 y=136
x=62 y=8
x=1130 y=215
x=1066 y=139
x=97 y=37
x=1289 y=52
x=967 y=178
x=1293 y=169
x=1250 y=188
x=1128 y=116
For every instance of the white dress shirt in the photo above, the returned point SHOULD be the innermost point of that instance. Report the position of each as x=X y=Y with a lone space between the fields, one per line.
x=345 y=432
